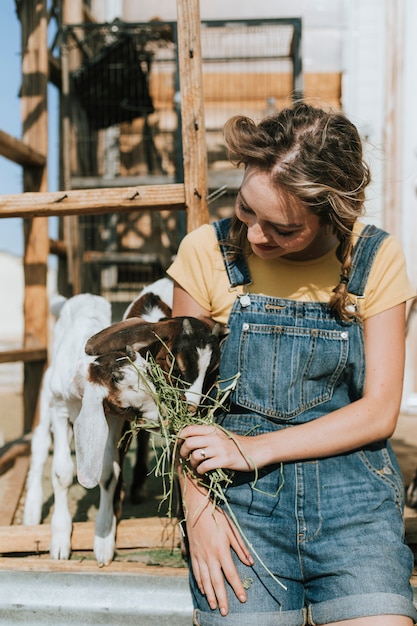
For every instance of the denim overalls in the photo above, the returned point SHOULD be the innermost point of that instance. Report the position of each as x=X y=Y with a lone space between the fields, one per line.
x=330 y=530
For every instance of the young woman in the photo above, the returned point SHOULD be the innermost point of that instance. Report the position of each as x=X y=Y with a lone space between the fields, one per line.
x=314 y=302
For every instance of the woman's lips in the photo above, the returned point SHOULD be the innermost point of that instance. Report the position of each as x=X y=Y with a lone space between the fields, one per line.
x=263 y=247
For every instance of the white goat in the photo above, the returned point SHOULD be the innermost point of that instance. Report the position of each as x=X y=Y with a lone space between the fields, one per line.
x=60 y=403
x=97 y=390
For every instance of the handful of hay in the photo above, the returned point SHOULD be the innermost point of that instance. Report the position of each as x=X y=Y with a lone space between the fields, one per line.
x=174 y=415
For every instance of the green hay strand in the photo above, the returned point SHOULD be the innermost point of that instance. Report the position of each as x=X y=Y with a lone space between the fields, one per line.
x=174 y=415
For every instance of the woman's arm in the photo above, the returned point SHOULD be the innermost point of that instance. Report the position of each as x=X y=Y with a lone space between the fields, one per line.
x=369 y=419
x=211 y=534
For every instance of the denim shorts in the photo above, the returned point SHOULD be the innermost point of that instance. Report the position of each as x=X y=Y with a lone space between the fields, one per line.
x=331 y=531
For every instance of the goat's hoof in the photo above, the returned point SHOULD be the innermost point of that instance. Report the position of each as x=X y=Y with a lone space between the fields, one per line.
x=60 y=553
x=104 y=550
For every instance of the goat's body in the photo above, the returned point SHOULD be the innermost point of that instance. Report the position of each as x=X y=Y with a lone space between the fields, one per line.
x=60 y=403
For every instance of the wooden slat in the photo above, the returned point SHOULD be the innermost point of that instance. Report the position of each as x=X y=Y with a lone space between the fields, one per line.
x=33 y=98
x=16 y=480
x=23 y=354
x=19 y=152
x=15 y=451
x=152 y=532
x=92 y=201
x=194 y=145
x=82 y=565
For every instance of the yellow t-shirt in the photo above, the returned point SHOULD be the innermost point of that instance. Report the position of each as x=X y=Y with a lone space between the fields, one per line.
x=199 y=269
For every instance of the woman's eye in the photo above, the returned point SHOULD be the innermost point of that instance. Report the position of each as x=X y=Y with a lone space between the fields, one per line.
x=284 y=234
x=241 y=207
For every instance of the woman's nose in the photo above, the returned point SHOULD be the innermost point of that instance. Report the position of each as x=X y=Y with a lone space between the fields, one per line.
x=256 y=233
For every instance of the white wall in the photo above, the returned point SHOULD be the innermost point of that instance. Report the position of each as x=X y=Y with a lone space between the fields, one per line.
x=409 y=184
x=364 y=88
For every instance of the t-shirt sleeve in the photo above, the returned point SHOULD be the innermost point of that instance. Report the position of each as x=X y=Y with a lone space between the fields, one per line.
x=192 y=267
x=388 y=283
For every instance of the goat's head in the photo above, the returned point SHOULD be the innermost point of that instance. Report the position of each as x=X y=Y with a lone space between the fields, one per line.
x=187 y=349
x=112 y=384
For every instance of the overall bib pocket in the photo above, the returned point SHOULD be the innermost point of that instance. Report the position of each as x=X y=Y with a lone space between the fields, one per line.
x=299 y=366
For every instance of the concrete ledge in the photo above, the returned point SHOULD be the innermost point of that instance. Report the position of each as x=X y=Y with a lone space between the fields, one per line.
x=68 y=599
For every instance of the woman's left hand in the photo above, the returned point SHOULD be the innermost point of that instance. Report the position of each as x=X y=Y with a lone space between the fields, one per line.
x=210 y=447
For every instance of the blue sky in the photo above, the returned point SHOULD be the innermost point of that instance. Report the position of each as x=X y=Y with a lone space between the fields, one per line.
x=11 y=236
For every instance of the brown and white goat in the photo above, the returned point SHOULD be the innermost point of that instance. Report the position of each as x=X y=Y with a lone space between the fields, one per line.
x=188 y=348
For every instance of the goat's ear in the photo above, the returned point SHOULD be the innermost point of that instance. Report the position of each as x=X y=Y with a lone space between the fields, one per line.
x=90 y=435
x=130 y=353
x=220 y=330
x=187 y=327
x=131 y=332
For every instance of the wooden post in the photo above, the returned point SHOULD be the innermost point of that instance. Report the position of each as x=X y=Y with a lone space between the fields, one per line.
x=72 y=13
x=33 y=17
x=192 y=113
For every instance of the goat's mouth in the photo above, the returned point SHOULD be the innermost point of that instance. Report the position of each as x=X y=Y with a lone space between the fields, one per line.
x=127 y=412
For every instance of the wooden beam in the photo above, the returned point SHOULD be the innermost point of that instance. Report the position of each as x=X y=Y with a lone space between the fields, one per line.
x=19 y=152
x=194 y=146
x=92 y=201
x=23 y=354
x=34 y=31
x=81 y=565
x=151 y=532
x=18 y=460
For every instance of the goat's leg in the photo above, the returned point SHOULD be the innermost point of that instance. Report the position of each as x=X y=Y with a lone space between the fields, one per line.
x=411 y=499
x=41 y=443
x=106 y=521
x=140 y=469
x=62 y=478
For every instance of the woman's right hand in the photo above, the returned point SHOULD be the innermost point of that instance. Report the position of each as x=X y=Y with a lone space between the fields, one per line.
x=211 y=537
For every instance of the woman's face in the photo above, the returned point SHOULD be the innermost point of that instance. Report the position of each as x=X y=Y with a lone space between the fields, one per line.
x=279 y=225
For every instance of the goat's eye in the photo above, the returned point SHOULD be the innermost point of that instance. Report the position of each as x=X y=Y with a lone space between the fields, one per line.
x=116 y=377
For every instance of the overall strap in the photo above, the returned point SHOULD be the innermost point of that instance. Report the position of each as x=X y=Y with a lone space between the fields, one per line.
x=236 y=268
x=364 y=253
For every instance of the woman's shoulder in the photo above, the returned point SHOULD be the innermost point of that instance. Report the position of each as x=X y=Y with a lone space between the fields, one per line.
x=201 y=233
x=388 y=283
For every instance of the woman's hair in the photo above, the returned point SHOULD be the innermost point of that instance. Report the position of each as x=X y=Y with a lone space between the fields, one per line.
x=316 y=156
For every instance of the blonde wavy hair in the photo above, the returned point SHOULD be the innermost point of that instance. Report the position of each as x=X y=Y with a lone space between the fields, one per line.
x=315 y=155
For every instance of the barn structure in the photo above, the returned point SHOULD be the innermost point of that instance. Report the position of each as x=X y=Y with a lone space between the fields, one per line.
x=142 y=105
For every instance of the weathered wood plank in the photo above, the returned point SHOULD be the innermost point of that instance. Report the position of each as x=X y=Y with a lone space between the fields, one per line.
x=192 y=113
x=19 y=152
x=16 y=480
x=75 y=566
x=23 y=354
x=93 y=201
x=152 y=532
x=34 y=33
